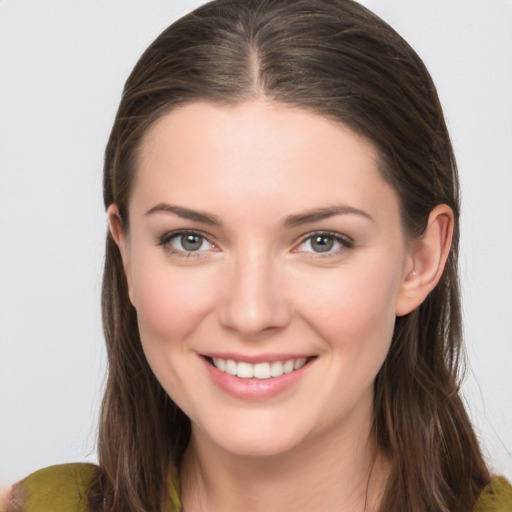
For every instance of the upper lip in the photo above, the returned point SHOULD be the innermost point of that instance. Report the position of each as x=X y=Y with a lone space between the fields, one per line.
x=258 y=358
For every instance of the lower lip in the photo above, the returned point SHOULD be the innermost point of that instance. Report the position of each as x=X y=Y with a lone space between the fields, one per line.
x=254 y=389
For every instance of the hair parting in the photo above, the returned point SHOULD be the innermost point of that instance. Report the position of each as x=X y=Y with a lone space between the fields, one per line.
x=337 y=59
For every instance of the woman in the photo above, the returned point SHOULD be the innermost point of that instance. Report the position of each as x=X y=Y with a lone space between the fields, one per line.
x=280 y=294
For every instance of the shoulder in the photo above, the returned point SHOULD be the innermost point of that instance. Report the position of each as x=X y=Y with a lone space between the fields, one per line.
x=496 y=497
x=61 y=488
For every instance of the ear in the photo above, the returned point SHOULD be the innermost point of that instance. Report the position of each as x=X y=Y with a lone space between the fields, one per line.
x=426 y=261
x=118 y=233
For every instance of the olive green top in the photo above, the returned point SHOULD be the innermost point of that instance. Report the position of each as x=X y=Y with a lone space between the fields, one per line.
x=496 y=497
x=63 y=488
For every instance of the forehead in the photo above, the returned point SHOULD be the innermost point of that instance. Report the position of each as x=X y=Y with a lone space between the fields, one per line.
x=257 y=154
x=251 y=125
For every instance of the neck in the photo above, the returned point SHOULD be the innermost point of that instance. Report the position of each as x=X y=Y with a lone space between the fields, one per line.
x=331 y=472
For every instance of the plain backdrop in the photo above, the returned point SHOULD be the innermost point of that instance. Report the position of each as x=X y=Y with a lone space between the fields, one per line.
x=62 y=67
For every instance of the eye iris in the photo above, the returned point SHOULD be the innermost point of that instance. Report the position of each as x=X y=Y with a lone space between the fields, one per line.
x=322 y=243
x=191 y=242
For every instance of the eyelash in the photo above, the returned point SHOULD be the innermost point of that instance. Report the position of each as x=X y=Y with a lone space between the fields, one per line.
x=166 y=239
x=344 y=241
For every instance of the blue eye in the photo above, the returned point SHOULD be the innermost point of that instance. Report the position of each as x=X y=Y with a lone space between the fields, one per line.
x=324 y=243
x=185 y=243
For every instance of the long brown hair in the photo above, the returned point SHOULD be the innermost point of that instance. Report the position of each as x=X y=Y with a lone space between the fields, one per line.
x=339 y=60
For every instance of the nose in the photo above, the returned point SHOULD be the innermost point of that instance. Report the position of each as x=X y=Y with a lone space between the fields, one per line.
x=254 y=300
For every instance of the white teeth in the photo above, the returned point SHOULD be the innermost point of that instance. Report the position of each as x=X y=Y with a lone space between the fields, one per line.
x=219 y=363
x=276 y=369
x=230 y=367
x=288 y=366
x=262 y=370
x=245 y=370
x=299 y=363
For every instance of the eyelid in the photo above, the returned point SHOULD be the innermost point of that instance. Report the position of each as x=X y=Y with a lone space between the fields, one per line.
x=165 y=239
x=345 y=241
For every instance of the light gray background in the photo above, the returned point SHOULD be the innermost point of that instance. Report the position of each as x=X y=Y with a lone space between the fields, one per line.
x=62 y=67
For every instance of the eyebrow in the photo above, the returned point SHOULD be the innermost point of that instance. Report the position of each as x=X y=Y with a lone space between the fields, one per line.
x=185 y=213
x=290 y=221
x=324 y=213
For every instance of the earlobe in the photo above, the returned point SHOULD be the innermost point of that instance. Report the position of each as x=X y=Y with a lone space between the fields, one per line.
x=427 y=260
x=118 y=233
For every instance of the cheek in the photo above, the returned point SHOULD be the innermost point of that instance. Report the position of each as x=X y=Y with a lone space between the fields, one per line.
x=354 y=311
x=170 y=301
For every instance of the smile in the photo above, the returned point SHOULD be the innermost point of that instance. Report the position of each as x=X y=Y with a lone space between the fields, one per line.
x=263 y=370
x=257 y=377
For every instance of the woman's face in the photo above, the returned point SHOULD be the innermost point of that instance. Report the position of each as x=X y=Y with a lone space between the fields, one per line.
x=261 y=237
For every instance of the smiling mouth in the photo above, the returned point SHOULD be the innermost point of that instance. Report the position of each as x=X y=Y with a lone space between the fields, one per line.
x=262 y=371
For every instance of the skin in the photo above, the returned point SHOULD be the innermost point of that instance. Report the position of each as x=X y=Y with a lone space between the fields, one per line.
x=4 y=498
x=258 y=286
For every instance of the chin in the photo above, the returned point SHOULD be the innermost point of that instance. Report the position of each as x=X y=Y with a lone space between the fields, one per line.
x=263 y=447
x=253 y=440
